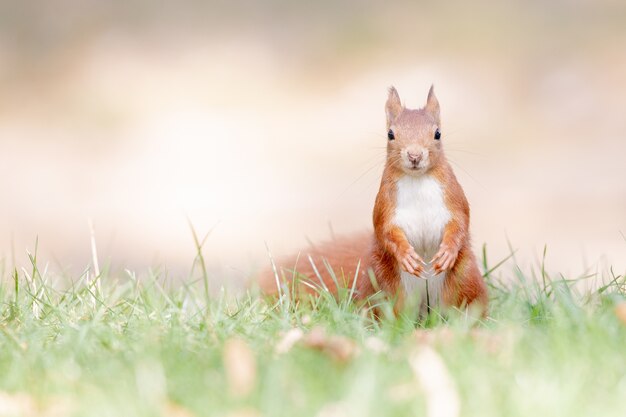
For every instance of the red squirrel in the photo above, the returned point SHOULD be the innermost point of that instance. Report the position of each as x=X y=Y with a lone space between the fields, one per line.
x=421 y=241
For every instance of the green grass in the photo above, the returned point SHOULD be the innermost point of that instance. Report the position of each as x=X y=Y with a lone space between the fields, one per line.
x=142 y=347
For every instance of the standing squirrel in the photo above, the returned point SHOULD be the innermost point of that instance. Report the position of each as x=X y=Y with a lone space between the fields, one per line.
x=421 y=241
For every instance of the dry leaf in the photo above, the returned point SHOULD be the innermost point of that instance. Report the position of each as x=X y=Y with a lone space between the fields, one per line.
x=316 y=338
x=289 y=339
x=240 y=366
x=442 y=398
x=620 y=312
x=339 y=348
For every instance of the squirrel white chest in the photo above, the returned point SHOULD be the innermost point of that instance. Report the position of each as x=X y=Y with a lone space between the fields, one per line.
x=421 y=213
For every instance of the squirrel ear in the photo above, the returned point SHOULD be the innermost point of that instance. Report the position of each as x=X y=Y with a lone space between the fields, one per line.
x=393 y=107
x=432 y=104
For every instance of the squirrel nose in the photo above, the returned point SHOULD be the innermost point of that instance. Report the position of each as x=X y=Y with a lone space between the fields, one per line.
x=414 y=157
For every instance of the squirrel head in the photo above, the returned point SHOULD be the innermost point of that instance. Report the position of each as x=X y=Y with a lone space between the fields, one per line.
x=414 y=136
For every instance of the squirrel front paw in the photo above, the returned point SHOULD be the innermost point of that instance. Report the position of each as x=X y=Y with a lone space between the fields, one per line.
x=411 y=262
x=445 y=258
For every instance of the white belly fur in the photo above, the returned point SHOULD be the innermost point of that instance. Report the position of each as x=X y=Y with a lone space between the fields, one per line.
x=422 y=214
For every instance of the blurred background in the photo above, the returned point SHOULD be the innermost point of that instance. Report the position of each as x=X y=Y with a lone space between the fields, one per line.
x=263 y=122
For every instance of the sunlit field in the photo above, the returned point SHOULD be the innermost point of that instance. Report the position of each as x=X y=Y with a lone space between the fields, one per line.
x=136 y=345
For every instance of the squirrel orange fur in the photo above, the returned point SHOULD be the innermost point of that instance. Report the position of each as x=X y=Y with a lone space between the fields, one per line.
x=421 y=240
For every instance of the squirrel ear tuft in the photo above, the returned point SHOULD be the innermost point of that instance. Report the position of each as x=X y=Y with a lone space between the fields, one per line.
x=393 y=107
x=432 y=104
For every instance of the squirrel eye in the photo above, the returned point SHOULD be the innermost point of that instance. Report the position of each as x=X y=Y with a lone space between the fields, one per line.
x=437 y=134
x=390 y=135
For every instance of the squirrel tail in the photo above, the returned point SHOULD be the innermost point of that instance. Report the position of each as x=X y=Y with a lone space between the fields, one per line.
x=328 y=266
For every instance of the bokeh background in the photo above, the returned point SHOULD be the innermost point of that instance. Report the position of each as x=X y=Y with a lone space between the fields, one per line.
x=263 y=121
